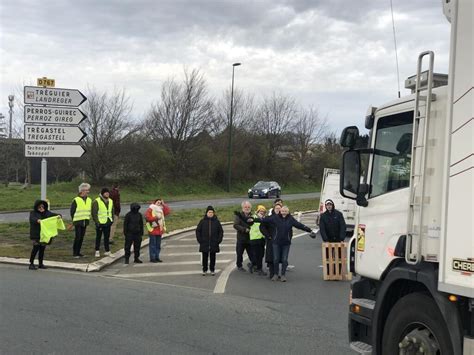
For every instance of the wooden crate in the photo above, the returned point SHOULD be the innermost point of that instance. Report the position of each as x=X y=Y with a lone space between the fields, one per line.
x=335 y=261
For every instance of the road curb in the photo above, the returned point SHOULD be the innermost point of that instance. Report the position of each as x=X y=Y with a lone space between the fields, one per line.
x=103 y=262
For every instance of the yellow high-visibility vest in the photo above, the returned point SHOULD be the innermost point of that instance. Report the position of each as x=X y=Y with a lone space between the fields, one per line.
x=105 y=212
x=83 y=209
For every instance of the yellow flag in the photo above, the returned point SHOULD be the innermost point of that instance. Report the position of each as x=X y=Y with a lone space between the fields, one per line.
x=49 y=228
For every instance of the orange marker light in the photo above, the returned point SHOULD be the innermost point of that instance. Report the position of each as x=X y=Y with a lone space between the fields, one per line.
x=453 y=298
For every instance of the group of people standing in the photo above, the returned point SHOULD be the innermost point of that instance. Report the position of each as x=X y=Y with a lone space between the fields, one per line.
x=264 y=236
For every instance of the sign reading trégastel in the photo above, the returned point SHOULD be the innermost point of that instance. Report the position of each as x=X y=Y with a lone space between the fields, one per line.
x=53 y=134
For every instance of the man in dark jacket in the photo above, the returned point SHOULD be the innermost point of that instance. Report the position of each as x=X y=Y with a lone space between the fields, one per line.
x=242 y=223
x=209 y=234
x=40 y=211
x=332 y=225
x=133 y=232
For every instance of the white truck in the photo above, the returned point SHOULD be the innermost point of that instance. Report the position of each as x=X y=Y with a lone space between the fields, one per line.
x=413 y=250
x=330 y=190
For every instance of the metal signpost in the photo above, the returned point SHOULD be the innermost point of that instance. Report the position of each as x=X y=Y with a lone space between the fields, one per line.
x=51 y=119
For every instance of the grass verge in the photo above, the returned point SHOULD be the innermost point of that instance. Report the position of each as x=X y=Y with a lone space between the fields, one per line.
x=60 y=195
x=15 y=242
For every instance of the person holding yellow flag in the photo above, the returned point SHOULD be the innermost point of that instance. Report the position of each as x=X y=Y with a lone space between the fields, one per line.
x=39 y=214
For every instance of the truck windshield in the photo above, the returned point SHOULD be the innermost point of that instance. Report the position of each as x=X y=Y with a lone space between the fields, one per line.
x=392 y=157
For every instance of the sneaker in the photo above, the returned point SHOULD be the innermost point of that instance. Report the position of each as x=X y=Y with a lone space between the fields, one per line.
x=138 y=261
x=127 y=261
x=159 y=261
x=153 y=261
x=41 y=266
x=213 y=273
x=204 y=273
x=108 y=253
x=76 y=256
x=262 y=273
x=97 y=254
x=81 y=255
x=241 y=269
x=283 y=278
x=274 y=278
x=32 y=267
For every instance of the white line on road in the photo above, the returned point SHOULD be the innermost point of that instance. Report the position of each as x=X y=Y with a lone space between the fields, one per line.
x=224 y=276
x=174 y=263
x=198 y=253
x=196 y=245
x=169 y=273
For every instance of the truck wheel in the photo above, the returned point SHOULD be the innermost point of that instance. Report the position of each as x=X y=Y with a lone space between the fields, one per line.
x=416 y=326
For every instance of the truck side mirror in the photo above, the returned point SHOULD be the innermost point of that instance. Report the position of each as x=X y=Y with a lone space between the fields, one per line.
x=349 y=137
x=349 y=183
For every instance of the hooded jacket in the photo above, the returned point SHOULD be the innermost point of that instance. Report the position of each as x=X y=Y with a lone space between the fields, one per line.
x=209 y=234
x=332 y=225
x=133 y=222
x=36 y=215
x=283 y=227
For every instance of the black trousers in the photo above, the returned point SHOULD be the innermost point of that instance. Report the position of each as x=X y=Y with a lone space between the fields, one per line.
x=37 y=247
x=239 y=249
x=80 y=232
x=136 y=241
x=205 y=258
x=105 y=229
x=257 y=247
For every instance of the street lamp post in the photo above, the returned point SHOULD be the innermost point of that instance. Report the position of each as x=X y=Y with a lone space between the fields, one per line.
x=229 y=155
x=10 y=104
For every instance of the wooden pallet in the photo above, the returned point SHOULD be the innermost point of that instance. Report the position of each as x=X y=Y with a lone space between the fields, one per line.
x=335 y=261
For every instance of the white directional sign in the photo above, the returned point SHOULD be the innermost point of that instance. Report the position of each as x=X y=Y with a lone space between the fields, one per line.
x=53 y=151
x=53 y=115
x=53 y=134
x=53 y=96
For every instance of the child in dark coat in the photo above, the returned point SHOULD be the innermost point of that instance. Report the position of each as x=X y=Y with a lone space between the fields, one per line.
x=209 y=234
x=133 y=232
x=40 y=211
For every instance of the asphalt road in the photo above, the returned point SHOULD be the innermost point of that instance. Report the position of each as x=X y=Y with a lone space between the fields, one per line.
x=179 y=205
x=140 y=309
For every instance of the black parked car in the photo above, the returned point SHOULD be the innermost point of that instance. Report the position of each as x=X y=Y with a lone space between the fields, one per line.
x=265 y=189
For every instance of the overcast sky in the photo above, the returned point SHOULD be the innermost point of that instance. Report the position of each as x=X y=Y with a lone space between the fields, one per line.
x=336 y=55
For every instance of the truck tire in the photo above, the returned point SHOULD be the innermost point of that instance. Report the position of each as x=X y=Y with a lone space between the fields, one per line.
x=416 y=316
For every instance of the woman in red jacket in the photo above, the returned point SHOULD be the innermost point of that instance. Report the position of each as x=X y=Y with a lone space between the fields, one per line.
x=155 y=224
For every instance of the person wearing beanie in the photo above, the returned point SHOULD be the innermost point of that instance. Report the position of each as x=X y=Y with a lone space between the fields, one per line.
x=209 y=234
x=257 y=242
x=332 y=225
x=103 y=216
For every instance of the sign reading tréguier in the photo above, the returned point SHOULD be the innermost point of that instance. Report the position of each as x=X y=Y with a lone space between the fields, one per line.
x=53 y=134
x=53 y=115
x=53 y=96
x=53 y=151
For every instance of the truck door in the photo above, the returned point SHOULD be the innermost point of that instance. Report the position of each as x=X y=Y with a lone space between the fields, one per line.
x=384 y=220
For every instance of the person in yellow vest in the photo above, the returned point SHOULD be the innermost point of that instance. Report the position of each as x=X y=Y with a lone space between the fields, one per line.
x=103 y=216
x=257 y=242
x=80 y=215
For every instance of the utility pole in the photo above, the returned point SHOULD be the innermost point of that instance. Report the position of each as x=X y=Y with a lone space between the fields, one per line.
x=10 y=104
x=229 y=155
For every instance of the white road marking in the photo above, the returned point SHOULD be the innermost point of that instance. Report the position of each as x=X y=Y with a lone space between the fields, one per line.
x=196 y=245
x=164 y=273
x=196 y=253
x=224 y=276
x=174 y=263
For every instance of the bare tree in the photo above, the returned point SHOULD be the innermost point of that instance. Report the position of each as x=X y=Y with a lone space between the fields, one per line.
x=273 y=121
x=108 y=124
x=308 y=128
x=183 y=111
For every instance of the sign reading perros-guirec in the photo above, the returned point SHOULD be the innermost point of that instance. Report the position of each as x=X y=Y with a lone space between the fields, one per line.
x=53 y=115
x=53 y=96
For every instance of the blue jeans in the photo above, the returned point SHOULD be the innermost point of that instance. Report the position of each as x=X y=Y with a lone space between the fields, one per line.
x=280 y=255
x=154 y=247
